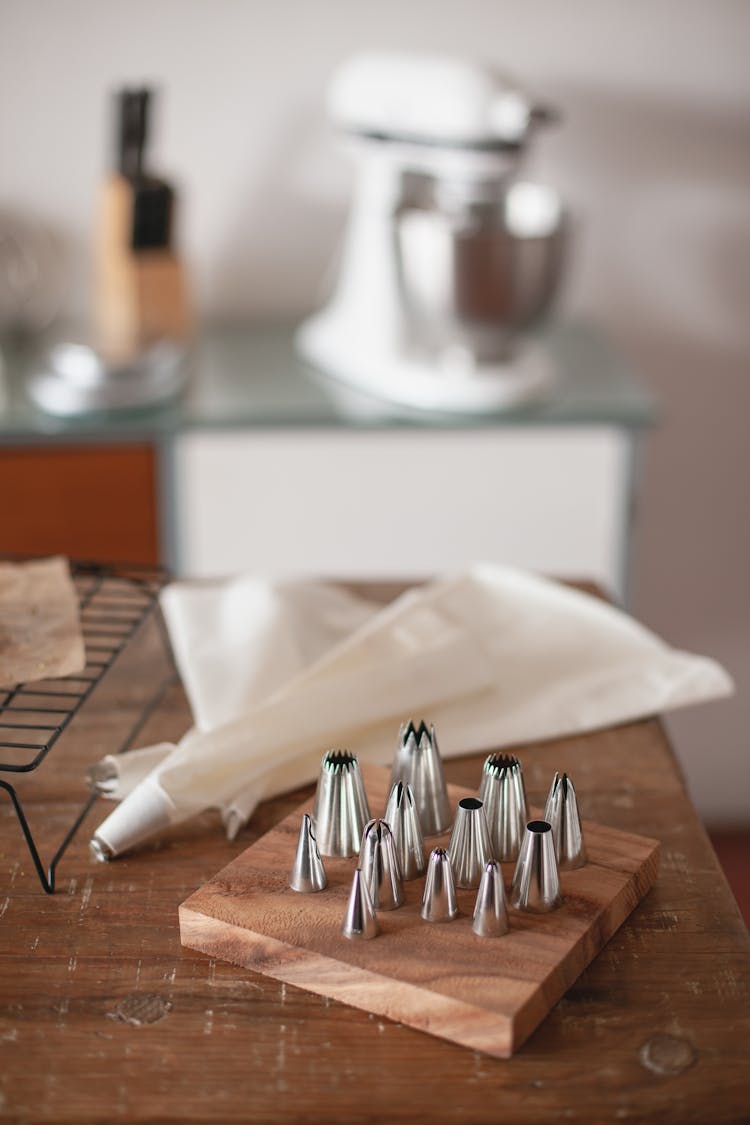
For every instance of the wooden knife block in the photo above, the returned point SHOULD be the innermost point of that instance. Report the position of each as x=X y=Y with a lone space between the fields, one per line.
x=140 y=295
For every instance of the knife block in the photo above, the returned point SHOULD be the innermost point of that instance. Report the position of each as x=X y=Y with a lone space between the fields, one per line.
x=140 y=290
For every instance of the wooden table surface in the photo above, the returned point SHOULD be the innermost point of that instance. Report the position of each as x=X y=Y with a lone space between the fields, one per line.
x=103 y=1017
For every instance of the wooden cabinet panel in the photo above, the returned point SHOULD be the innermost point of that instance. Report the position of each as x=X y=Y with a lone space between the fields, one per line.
x=86 y=501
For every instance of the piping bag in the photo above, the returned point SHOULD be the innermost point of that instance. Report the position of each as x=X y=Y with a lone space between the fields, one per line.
x=495 y=657
x=408 y=655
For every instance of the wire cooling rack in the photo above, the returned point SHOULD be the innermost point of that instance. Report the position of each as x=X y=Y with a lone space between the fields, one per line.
x=115 y=601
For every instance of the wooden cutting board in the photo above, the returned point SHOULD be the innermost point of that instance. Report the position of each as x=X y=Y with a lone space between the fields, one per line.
x=487 y=994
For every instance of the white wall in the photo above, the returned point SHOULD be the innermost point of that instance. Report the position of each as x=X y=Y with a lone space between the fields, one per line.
x=654 y=158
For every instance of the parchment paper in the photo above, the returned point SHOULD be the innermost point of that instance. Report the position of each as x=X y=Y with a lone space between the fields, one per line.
x=40 y=629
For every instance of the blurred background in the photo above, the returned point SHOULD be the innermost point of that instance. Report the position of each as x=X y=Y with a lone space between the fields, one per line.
x=652 y=158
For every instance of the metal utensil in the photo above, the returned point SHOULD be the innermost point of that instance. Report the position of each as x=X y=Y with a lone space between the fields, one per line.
x=380 y=868
x=439 y=899
x=340 y=811
x=402 y=817
x=504 y=794
x=561 y=811
x=536 y=883
x=417 y=763
x=490 y=910
x=469 y=849
x=360 y=923
x=308 y=874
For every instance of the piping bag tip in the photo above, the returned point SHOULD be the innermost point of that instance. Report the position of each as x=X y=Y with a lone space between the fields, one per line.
x=359 y=922
x=380 y=866
x=417 y=762
x=561 y=811
x=146 y=811
x=470 y=849
x=308 y=874
x=402 y=817
x=490 y=917
x=439 y=899
x=536 y=883
x=504 y=794
x=340 y=809
x=99 y=850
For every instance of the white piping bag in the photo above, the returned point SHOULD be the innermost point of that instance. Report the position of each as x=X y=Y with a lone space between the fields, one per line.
x=408 y=657
x=494 y=657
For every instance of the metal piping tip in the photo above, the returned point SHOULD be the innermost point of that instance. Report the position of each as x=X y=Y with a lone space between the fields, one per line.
x=340 y=811
x=536 y=884
x=403 y=819
x=439 y=899
x=417 y=763
x=360 y=922
x=380 y=868
x=562 y=813
x=490 y=910
x=469 y=849
x=100 y=851
x=504 y=794
x=308 y=874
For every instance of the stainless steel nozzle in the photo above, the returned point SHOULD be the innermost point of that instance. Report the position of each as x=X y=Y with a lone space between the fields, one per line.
x=380 y=868
x=308 y=874
x=504 y=794
x=403 y=819
x=100 y=851
x=417 y=763
x=469 y=849
x=536 y=884
x=360 y=922
x=439 y=898
x=340 y=811
x=561 y=811
x=490 y=910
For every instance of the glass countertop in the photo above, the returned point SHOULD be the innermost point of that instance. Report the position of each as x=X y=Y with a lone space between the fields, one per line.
x=251 y=377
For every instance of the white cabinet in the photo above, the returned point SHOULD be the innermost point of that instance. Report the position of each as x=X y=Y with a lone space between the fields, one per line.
x=403 y=502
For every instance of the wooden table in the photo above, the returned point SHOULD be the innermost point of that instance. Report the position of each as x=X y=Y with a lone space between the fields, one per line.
x=103 y=1017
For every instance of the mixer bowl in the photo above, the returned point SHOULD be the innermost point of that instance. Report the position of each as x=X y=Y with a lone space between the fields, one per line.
x=475 y=272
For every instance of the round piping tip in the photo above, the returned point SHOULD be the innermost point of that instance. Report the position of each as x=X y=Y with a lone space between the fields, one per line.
x=536 y=883
x=470 y=849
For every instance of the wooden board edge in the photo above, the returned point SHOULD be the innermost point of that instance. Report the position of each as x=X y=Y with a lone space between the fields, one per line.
x=447 y=1018
x=592 y=943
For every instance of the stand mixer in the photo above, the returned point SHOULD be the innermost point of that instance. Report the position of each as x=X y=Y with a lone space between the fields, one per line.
x=448 y=256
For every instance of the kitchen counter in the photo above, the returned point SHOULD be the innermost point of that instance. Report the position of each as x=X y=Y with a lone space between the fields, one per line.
x=251 y=377
x=263 y=461
x=103 y=1017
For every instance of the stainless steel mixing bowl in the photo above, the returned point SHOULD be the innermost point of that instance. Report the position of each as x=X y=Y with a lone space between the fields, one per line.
x=477 y=262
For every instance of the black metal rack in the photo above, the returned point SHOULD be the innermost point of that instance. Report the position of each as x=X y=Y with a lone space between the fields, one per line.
x=115 y=601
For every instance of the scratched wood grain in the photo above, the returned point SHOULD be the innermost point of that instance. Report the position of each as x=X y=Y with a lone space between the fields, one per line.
x=656 y=1028
x=487 y=995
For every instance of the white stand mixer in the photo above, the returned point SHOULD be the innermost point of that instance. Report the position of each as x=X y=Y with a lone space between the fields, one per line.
x=447 y=256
